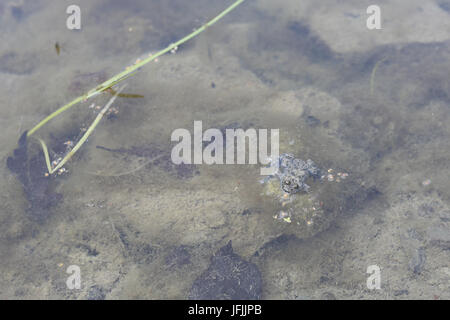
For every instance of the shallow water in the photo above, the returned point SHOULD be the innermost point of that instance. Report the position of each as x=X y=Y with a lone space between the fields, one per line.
x=370 y=103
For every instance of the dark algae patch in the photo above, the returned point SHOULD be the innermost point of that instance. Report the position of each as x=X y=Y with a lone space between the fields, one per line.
x=228 y=277
x=30 y=172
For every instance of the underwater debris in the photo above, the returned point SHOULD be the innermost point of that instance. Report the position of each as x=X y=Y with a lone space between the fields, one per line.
x=38 y=187
x=57 y=48
x=228 y=277
x=124 y=95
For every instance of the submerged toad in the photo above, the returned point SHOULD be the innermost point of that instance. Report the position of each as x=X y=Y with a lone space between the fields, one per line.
x=293 y=172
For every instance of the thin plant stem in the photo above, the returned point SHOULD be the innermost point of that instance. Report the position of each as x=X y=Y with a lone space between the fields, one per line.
x=81 y=141
x=372 y=77
x=129 y=71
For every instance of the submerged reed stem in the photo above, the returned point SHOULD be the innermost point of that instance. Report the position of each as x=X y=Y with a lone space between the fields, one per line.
x=372 y=76
x=132 y=69
x=81 y=141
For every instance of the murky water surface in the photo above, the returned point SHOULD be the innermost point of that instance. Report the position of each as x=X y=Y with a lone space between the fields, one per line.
x=370 y=108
